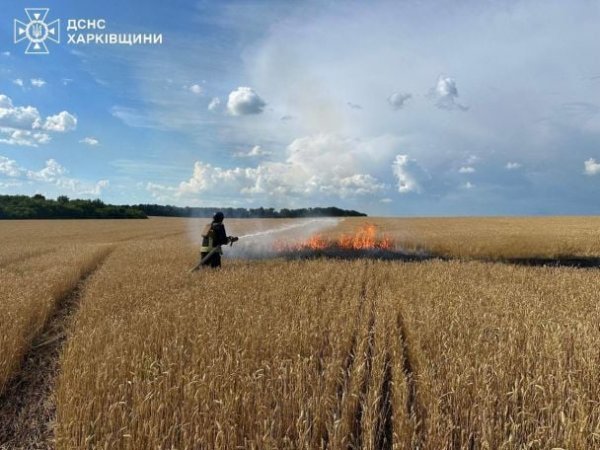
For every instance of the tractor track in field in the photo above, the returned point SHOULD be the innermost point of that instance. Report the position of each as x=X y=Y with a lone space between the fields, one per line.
x=384 y=426
x=27 y=407
x=385 y=423
x=364 y=387
x=413 y=405
x=350 y=358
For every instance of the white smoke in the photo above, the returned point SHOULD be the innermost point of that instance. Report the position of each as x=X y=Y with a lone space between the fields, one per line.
x=261 y=242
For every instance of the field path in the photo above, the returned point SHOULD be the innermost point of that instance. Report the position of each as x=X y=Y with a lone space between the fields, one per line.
x=413 y=404
x=27 y=408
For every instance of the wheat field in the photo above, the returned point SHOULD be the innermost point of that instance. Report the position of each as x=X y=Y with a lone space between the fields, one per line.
x=454 y=353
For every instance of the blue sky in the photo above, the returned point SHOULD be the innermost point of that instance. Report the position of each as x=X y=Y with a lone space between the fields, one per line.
x=393 y=108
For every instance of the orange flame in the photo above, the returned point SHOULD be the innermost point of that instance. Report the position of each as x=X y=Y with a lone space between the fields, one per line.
x=364 y=239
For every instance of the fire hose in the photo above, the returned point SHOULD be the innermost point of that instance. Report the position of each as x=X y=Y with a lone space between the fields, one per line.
x=230 y=241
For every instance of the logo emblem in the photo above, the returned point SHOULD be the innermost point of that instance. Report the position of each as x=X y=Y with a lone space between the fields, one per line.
x=37 y=31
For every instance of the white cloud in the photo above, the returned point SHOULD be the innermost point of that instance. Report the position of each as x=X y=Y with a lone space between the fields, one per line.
x=398 y=99
x=408 y=174
x=512 y=166
x=10 y=184
x=54 y=174
x=445 y=94
x=6 y=53
x=26 y=138
x=161 y=192
x=196 y=89
x=51 y=173
x=61 y=122
x=386 y=200
x=37 y=82
x=214 y=104
x=275 y=179
x=466 y=169
x=255 y=151
x=19 y=82
x=244 y=101
x=591 y=167
x=9 y=167
x=468 y=185
x=318 y=165
x=90 y=141
x=23 y=125
x=5 y=102
x=20 y=117
x=97 y=188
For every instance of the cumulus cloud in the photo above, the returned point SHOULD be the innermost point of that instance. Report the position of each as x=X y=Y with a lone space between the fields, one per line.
x=61 y=122
x=23 y=125
x=9 y=167
x=161 y=192
x=255 y=151
x=53 y=173
x=50 y=173
x=591 y=167
x=466 y=169
x=6 y=53
x=18 y=117
x=445 y=94
x=37 y=82
x=214 y=104
x=317 y=165
x=244 y=101
x=92 y=141
x=398 y=99
x=408 y=174
x=25 y=138
x=97 y=188
x=19 y=82
x=468 y=185
x=196 y=89
x=512 y=166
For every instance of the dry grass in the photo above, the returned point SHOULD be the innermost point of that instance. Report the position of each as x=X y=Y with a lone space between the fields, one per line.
x=494 y=238
x=335 y=354
x=30 y=288
x=507 y=356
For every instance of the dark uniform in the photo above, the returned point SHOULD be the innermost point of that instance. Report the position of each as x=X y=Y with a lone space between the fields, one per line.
x=214 y=235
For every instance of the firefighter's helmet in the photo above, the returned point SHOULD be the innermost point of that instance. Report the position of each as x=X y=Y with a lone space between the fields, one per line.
x=218 y=217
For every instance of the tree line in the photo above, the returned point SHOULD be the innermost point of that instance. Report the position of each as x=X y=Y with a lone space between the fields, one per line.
x=245 y=213
x=40 y=207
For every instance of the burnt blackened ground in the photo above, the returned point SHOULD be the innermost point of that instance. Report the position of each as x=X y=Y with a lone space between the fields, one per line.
x=405 y=256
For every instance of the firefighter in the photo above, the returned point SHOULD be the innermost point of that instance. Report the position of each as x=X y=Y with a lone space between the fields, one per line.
x=214 y=235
